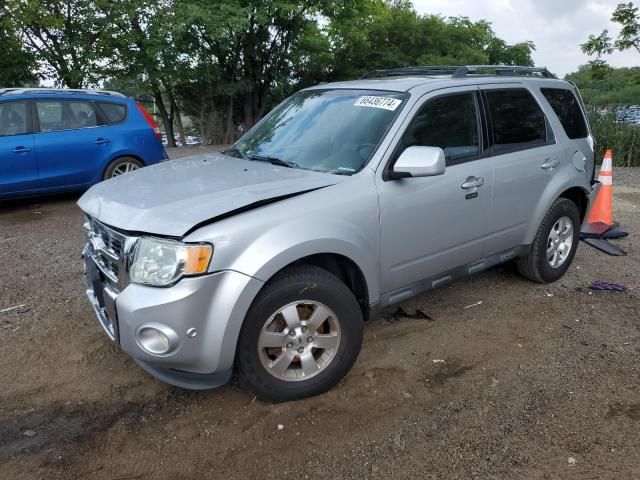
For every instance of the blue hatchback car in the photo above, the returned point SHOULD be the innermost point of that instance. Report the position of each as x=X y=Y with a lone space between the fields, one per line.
x=59 y=140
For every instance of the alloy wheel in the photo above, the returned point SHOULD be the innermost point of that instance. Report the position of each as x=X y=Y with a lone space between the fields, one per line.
x=299 y=341
x=560 y=242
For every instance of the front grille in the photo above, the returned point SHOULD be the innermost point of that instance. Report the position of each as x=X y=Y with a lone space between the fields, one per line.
x=110 y=250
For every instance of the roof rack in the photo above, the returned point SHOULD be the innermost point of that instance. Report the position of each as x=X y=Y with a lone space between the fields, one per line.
x=27 y=90
x=461 y=71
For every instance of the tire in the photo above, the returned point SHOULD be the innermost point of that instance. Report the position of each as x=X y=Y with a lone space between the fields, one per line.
x=538 y=264
x=299 y=291
x=116 y=166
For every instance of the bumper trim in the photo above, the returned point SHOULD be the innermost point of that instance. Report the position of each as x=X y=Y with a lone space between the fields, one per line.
x=187 y=380
x=103 y=319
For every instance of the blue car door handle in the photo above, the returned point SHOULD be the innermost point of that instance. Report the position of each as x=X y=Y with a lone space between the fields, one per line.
x=102 y=141
x=21 y=150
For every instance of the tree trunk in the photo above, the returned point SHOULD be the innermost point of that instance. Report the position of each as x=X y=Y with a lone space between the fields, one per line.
x=166 y=120
x=228 y=134
x=177 y=117
x=247 y=106
x=203 y=134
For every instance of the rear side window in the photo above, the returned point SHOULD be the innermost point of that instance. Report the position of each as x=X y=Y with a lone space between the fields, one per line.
x=13 y=118
x=449 y=122
x=566 y=107
x=114 y=112
x=518 y=123
x=56 y=115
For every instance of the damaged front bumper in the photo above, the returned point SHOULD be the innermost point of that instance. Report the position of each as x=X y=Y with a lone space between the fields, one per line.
x=201 y=316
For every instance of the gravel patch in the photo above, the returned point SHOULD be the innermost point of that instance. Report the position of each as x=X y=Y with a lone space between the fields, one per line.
x=628 y=176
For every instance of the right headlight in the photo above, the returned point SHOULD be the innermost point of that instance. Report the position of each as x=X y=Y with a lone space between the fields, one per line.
x=160 y=263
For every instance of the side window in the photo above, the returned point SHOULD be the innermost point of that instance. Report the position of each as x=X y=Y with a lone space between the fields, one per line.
x=65 y=115
x=114 y=112
x=518 y=123
x=566 y=107
x=449 y=122
x=13 y=118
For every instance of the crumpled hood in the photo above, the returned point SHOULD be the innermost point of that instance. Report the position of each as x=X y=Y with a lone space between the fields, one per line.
x=171 y=198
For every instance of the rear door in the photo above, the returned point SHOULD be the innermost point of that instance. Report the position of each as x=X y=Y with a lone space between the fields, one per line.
x=18 y=168
x=71 y=147
x=567 y=107
x=525 y=157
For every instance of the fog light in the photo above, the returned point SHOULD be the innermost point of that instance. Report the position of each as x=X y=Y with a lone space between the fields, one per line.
x=156 y=339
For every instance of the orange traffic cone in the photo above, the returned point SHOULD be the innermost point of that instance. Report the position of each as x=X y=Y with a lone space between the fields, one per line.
x=600 y=216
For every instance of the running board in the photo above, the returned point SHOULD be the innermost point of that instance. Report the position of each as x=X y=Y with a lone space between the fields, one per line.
x=436 y=281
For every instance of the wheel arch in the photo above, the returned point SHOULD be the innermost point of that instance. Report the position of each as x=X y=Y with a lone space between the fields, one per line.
x=342 y=267
x=576 y=193
x=579 y=196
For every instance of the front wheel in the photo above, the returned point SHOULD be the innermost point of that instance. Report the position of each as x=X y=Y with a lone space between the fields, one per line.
x=301 y=336
x=555 y=244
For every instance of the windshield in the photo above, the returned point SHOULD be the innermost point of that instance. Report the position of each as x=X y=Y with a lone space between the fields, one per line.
x=333 y=131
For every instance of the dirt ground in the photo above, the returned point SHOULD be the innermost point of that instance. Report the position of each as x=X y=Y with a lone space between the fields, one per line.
x=537 y=381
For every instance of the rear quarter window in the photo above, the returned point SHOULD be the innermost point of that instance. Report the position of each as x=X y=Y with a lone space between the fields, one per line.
x=113 y=112
x=565 y=105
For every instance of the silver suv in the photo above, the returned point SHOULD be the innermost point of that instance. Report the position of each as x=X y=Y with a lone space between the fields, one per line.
x=267 y=259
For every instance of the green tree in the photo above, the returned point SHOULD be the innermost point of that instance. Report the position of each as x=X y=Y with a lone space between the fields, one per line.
x=18 y=65
x=615 y=86
x=599 y=46
x=250 y=53
x=144 y=39
x=62 y=35
x=380 y=34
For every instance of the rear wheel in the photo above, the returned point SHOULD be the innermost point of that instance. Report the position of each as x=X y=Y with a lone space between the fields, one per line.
x=122 y=165
x=301 y=336
x=555 y=244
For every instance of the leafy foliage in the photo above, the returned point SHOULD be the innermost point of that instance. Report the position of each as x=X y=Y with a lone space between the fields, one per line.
x=622 y=138
x=18 y=66
x=227 y=62
x=62 y=36
x=619 y=86
x=605 y=92
x=601 y=45
x=395 y=35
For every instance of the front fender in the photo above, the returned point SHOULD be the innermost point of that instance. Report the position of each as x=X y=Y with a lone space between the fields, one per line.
x=271 y=253
x=342 y=220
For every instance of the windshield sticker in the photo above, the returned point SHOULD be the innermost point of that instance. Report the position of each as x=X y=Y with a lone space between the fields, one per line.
x=385 y=103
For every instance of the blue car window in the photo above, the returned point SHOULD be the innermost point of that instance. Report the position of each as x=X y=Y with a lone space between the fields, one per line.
x=65 y=115
x=115 y=112
x=82 y=115
x=13 y=118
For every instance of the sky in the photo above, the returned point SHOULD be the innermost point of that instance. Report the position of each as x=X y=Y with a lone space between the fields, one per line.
x=557 y=27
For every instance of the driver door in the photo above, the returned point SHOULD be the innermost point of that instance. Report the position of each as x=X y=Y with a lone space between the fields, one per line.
x=430 y=225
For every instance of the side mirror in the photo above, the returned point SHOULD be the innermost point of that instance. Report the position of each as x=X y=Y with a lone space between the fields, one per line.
x=419 y=162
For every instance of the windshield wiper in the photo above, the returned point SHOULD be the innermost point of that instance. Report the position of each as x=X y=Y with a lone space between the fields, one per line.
x=234 y=152
x=274 y=161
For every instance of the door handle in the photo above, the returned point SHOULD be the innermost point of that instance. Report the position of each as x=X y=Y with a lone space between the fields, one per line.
x=21 y=150
x=102 y=141
x=549 y=164
x=472 y=182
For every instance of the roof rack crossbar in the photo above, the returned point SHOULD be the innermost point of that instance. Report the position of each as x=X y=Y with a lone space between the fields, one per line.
x=461 y=71
x=506 y=70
